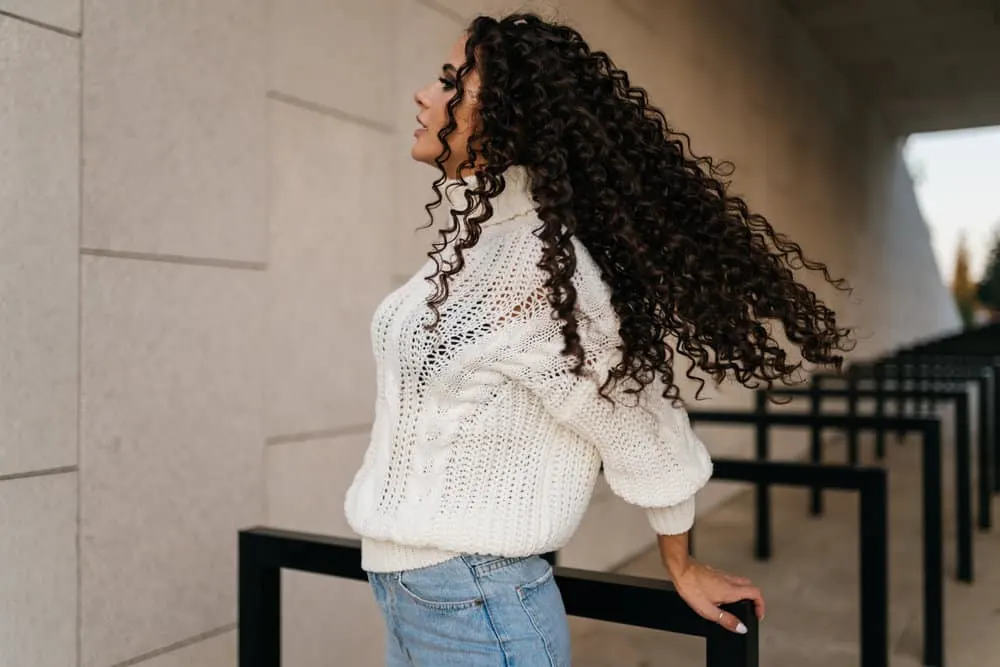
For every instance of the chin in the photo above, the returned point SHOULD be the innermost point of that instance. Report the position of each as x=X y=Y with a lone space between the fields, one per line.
x=422 y=156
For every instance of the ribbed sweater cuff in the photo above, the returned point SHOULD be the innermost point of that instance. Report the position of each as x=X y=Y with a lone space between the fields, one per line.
x=672 y=520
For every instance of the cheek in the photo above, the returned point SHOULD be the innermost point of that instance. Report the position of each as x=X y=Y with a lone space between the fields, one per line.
x=439 y=112
x=439 y=109
x=463 y=123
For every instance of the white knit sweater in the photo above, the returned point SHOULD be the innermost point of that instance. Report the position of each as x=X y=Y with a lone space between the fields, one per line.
x=484 y=441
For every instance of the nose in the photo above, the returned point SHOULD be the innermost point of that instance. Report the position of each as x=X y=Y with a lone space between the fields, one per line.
x=420 y=97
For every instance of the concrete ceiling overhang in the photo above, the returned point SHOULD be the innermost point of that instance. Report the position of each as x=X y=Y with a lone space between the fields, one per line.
x=927 y=65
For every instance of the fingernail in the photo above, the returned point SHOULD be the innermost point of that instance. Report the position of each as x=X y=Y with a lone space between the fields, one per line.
x=742 y=629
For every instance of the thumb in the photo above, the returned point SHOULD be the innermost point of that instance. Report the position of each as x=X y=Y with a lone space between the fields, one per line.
x=728 y=621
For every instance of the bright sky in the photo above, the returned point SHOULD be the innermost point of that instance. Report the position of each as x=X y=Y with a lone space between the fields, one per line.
x=958 y=187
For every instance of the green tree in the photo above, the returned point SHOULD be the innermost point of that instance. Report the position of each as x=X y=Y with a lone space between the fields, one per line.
x=962 y=288
x=988 y=290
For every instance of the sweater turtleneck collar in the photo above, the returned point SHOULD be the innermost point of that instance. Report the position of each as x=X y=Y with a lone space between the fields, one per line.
x=513 y=202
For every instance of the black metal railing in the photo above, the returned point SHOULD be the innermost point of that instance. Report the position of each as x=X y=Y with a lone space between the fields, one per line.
x=943 y=382
x=635 y=601
x=912 y=371
x=963 y=458
x=873 y=533
x=910 y=381
x=935 y=360
x=931 y=491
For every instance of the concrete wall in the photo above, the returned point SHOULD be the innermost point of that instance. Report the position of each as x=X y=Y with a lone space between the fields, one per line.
x=39 y=303
x=186 y=335
x=906 y=301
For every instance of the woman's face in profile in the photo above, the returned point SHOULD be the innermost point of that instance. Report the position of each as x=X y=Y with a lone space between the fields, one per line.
x=432 y=113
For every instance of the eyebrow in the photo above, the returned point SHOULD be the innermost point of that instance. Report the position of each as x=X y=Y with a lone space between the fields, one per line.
x=448 y=68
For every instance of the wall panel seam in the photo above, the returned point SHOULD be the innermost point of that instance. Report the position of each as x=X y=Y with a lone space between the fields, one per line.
x=323 y=434
x=330 y=112
x=238 y=264
x=443 y=11
x=176 y=646
x=46 y=472
x=39 y=24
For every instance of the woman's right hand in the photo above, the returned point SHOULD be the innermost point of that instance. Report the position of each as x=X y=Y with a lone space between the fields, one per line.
x=704 y=588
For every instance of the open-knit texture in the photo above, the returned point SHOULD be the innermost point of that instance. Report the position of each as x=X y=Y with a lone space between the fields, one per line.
x=484 y=441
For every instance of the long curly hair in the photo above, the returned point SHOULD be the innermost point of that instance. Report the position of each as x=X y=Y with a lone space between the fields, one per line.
x=691 y=270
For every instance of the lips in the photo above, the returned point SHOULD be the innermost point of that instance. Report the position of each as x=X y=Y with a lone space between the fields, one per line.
x=421 y=128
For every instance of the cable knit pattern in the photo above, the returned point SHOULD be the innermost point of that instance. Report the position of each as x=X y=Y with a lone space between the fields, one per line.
x=484 y=441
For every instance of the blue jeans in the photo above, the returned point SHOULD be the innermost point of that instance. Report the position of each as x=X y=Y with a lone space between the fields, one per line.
x=474 y=611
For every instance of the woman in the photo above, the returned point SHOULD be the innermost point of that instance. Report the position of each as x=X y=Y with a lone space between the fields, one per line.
x=537 y=347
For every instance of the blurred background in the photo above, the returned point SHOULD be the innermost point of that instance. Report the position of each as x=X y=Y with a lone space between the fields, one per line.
x=201 y=203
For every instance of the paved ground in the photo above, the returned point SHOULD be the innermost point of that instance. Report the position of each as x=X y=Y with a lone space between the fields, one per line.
x=811 y=583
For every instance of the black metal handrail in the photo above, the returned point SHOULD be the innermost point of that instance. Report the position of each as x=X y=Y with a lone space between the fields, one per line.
x=933 y=531
x=963 y=460
x=636 y=601
x=918 y=371
x=873 y=532
x=927 y=368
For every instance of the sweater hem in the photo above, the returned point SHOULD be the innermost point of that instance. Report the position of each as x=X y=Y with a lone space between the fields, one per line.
x=380 y=556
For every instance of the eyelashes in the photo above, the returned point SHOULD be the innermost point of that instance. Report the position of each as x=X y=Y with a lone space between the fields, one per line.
x=447 y=84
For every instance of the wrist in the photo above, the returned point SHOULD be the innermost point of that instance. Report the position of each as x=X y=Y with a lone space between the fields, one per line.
x=674 y=553
x=677 y=567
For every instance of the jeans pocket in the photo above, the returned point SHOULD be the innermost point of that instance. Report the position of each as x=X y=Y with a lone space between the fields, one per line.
x=527 y=589
x=433 y=588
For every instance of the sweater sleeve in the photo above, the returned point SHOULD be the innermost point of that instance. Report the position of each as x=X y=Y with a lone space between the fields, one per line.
x=652 y=458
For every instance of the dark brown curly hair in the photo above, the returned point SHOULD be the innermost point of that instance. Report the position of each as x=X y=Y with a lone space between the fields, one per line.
x=687 y=262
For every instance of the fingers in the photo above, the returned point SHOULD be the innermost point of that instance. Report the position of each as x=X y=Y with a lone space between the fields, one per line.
x=705 y=588
x=753 y=593
x=738 y=593
x=728 y=621
x=742 y=589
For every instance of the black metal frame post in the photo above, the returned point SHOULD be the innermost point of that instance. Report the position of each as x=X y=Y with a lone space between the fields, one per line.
x=921 y=378
x=815 y=442
x=901 y=386
x=762 y=504
x=933 y=530
x=995 y=372
x=963 y=462
x=816 y=394
x=259 y=606
x=873 y=533
x=648 y=603
x=879 y=377
x=987 y=454
x=853 y=445
x=963 y=487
